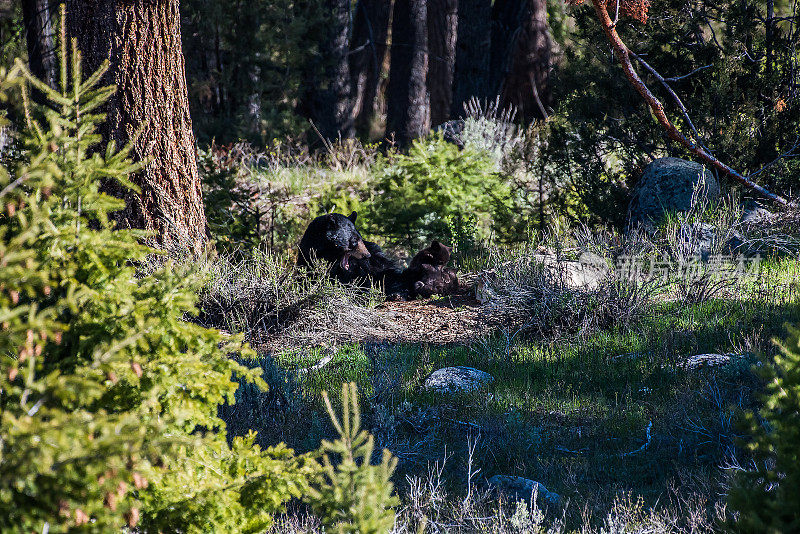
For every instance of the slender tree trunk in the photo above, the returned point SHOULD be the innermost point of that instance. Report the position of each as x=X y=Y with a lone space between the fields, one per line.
x=472 y=52
x=328 y=102
x=142 y=41
x=407 y=106
x=507 y=19
x=39 y=38
x=442 y=27
x=367 y=55
x=527 y=85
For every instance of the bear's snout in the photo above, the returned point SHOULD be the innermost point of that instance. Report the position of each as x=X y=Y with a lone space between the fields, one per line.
x=360 y=252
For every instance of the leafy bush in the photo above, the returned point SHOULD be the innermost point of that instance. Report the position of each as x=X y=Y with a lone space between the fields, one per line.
x=434 y=182
x=766 y=497
x=108 y=399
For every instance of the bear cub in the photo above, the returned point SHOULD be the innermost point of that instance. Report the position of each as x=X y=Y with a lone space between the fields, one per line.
x=428 y=274
x=334 y=239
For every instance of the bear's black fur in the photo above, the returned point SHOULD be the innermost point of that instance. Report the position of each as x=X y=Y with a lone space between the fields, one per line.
x=434 y=280
x=427 y=273
x=334 y=239
x=436 y=254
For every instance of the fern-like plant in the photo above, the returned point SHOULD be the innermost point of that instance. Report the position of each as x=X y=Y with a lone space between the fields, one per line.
x=767 y=498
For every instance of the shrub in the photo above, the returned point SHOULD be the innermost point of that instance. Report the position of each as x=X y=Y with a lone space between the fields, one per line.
x=766 y=497
x=353 y=496
x=434 y=182
x=108 y=399
x=234 y=219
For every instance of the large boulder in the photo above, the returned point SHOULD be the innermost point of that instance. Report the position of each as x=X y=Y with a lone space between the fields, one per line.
x=670 y=185
x=457 y=380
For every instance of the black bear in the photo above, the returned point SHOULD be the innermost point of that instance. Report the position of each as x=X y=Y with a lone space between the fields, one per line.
x=334 y=239
x=436 y=254
x=430 y=280
x=427 y=273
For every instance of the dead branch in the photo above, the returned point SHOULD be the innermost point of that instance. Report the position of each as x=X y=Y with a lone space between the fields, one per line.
x=655 y=105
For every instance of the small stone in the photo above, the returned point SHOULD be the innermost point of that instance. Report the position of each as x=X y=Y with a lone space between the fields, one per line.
x=457 y=380
x=520 y=488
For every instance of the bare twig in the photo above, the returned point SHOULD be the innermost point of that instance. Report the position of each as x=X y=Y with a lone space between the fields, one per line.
x=646 y=442
x=674 y=96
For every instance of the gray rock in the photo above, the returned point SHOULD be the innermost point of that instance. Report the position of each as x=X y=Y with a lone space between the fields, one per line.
x=706 y=360
x=457 y=380
x=756 y=216
x=670 y=185
x=519 y=488
x=698 y=239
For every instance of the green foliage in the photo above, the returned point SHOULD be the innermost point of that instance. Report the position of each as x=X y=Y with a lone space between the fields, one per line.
x=353 y=496
x=108 y=399
x=736 y=77
x=766 y=497
x=436 y=182
x=233 y=219
x=341 y=196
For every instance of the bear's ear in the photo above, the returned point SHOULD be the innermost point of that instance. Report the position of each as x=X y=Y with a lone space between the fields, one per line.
x=330 y=220
x=353 y=216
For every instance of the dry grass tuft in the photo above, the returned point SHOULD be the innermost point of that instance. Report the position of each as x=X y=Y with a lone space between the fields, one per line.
x=275 y=304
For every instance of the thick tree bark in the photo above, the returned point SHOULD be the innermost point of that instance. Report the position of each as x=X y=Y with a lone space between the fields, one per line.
x=472 y=53
x=328 y=102
x=527 y=86
x=407 y=100
x=442 y=28
x=142 y=41
x=367 y=54
x=39 y=38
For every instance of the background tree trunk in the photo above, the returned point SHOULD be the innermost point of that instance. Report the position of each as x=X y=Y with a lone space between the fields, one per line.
x=407 y=99
x=472 y=53
x=331 y=106
x=527 y=85
x=368 y=53
x=39 y=37
x=442 y=28
x=142 y=41
x=507 y=19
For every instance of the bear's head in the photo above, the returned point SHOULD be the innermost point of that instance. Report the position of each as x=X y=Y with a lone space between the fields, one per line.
x=334 y=238
x=436 y=254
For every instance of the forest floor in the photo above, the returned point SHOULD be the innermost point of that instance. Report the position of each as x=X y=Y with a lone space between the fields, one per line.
x=596 y=411
x=442 y=320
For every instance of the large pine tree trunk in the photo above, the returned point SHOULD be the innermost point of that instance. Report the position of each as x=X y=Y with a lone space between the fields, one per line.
x=442 y=28
x=367 y=54
x=39 y=38
x=142 y=41
x=527 y=84
x=407 y=99
x=472 y=52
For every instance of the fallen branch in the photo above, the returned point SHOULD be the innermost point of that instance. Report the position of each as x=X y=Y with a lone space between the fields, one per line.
x=646 y=442
x=624 y=56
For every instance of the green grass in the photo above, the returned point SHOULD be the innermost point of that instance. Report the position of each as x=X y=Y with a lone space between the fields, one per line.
x=571 y=412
